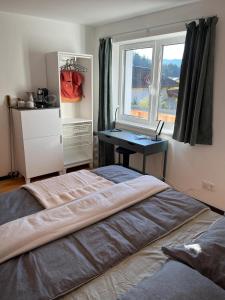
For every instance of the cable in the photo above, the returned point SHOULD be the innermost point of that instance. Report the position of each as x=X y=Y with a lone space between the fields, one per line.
x=12 y=173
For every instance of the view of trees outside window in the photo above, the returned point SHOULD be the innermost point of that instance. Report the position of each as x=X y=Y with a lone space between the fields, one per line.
x=169 y=83
x=138 y=72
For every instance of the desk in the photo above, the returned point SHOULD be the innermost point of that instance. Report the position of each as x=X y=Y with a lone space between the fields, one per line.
x=136 y=142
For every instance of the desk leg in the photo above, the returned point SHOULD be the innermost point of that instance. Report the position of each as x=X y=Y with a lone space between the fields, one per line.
x=164 y=165
x=144 y=162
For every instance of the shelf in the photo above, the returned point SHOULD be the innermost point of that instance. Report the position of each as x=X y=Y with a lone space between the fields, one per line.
x=79 y=163
x=72 y=156
x=78 y=136
x=66 y=121
x=76 y=146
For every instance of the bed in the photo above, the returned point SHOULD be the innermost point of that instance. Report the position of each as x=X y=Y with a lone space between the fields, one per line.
x=113 y=257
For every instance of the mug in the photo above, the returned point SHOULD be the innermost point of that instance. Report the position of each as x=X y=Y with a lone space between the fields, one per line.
x=30 y=104
x=30 y=96
x=21 y=103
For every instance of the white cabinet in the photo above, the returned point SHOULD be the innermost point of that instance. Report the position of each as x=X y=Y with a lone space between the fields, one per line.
x=40 y=123
x=37 y=142
x=76 y=118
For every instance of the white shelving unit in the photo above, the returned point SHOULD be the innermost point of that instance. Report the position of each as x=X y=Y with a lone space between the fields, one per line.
x=77 y=117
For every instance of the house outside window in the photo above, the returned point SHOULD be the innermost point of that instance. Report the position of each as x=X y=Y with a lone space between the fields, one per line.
x=149 y=80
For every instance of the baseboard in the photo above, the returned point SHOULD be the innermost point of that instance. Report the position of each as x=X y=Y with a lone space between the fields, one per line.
x=4 y=177
x=215 y=209
x=13 y=174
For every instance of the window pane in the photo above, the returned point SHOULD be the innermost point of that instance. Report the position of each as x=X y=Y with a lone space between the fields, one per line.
x=169 y=84
x=137 y=78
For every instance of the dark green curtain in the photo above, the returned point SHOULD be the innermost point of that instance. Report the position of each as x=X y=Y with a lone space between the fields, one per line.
x=106 y=151
x=193 y=122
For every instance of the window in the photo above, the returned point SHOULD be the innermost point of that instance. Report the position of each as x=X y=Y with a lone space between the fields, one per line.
x=137 y=80
x=169 y=82
x=149 y=80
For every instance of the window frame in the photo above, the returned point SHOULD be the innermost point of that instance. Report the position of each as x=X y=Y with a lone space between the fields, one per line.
x=156 y=43
x=122 y=51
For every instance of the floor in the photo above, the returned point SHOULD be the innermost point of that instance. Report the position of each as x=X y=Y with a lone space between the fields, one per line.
x=10 y=184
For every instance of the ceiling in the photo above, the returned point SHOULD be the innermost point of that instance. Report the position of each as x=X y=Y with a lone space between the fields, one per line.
x=89 y=12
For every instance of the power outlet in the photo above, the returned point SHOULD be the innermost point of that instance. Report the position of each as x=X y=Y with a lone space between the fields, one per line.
x=208 y=186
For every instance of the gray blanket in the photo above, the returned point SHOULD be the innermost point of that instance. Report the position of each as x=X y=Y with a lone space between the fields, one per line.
x=175 y=281
x=17 y=204
x=67 y=263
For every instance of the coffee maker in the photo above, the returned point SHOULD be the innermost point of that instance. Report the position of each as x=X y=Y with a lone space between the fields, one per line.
x=42 y=94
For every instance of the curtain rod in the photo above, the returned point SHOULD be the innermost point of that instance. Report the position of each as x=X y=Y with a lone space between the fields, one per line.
x=157 y=26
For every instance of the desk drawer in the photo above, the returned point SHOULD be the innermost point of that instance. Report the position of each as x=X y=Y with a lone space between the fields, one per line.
x=150 y=147
x=128 y=145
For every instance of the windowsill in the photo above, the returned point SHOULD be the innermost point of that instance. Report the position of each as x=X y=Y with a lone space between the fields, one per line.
x=142 y=128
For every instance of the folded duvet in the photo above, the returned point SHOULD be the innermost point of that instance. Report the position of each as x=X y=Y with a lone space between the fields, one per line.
x=62 y=189
x=32 y=231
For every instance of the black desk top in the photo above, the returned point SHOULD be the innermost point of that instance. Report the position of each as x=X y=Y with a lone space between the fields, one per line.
x=133 y=141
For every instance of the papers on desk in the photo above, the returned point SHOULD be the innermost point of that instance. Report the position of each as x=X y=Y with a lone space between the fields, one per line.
x=142 y=137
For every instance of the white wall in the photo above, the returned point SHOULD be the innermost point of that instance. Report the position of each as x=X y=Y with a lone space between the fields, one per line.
x=188 y=166
x=24 y=42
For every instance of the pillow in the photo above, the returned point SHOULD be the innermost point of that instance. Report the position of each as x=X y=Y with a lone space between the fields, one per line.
x=184 y=284
x=206 y=254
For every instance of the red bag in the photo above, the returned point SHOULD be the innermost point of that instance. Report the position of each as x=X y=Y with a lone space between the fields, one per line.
x=71 y=86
